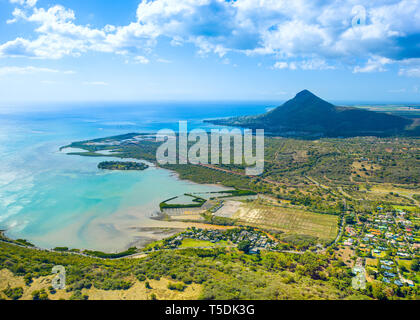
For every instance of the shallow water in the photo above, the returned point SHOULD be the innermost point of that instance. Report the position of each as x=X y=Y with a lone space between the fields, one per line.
x=54 y=199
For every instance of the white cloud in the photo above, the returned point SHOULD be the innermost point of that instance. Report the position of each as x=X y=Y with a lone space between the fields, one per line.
x=226 y=61
x=281 y=65
x=375 y=64
x=141 y=59
x=292 y=66
x=58 y=36
x=28 y=3
x=314 y=64
x=25 y=70
x=411 y=72
x=307 y=33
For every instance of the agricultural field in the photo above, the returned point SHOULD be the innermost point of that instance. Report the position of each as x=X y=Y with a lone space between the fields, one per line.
x=289 y=221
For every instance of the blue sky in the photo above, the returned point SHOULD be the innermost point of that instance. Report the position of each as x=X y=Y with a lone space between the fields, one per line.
x=137 y=50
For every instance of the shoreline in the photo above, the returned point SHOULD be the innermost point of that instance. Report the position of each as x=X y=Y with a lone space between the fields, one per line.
x=124 y=228
x=169 y=232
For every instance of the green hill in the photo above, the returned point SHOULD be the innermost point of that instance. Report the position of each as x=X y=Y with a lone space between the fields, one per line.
x=307 y=114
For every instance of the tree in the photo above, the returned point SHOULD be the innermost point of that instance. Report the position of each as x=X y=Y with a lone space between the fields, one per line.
x=13 y=293
x=415 y=265
x=350 y=219
x=378 y=292
x=244 y=246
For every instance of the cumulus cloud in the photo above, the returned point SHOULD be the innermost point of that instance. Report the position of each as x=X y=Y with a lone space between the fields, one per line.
x=141 y=59
x=311 y=64
x=375 y=64
x=315 y=64
x=302 y=34
x=28 y=3
x=281 y=65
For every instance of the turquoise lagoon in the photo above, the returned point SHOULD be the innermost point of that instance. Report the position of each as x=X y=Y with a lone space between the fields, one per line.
x=54 y=199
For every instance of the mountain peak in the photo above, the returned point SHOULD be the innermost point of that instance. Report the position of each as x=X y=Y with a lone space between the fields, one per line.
x=308 y=114
x=306 y=100
x=306 y=95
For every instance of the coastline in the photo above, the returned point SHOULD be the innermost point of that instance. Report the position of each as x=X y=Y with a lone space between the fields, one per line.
x=122 y=229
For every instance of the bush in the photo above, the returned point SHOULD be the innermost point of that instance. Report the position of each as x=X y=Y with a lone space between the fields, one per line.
x=28 y=279
x=79 y=285
x=176 y=286
x=104 y=255
x=13 y=293
x=141 y=277
x=40 y=295
x=187 y=280
x=288 y=279
x=77 y=295
x=113 y=284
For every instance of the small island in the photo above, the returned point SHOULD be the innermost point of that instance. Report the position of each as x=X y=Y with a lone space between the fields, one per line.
x=119 y=165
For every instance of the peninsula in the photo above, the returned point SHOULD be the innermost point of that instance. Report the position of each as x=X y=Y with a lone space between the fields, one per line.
x=121 y=165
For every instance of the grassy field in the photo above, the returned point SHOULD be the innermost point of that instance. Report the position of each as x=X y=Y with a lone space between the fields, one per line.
x=363 y=168
x=292 y=221
x=406 y=208
x=346 y=253
x=387 y=188
x=193 y=243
